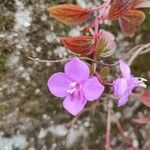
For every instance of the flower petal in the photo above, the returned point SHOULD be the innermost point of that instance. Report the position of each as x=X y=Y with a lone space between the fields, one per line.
x=125 y=70
x=58 y=84
x=133 y=82
x=92 y=89
x=77 y=70
x=120 y=86
x=123 y=100
x=74 y=103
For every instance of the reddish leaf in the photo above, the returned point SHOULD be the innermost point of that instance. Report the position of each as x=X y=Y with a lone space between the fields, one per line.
x=69 y=14
x=81 y=44
x=148 y=146
x=129 y=18
x=131 y=21
x=136 y=3
x=119 y=8
x=142 y=3
x=142 y=120
x=145 y=98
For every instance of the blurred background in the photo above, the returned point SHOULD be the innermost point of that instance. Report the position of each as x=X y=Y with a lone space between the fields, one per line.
x=30 y=117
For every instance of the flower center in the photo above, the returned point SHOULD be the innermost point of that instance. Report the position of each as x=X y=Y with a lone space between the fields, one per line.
x=134 y=82
x=141 y=82
x=73 y=87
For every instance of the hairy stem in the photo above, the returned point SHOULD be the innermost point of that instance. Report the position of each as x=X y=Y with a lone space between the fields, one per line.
x=108 y=141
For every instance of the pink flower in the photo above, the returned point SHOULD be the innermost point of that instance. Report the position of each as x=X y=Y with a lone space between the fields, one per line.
x=124 y=86
x=75 y=85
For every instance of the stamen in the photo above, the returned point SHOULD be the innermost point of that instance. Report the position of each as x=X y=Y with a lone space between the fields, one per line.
x=73 y=84
x=141 y=82
x=73 y=87
x=71 y=91
x=142 y=79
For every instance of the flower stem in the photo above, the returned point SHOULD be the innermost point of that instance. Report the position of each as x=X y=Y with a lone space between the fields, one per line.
x=96 y=32
x=108 y=142
x=103 y=81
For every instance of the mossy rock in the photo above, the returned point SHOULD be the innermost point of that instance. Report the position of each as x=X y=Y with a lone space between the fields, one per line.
x=6 y=21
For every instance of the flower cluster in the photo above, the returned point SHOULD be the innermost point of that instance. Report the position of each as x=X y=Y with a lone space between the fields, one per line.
x=124 y=86
x=77 y=85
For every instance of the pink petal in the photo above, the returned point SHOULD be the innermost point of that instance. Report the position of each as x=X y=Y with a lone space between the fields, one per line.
x=125 y=69
x=144 y=4
x=74 y=103
x=58 y=84
x=77 y=70
x=123 y=100
x=92 y=89
x=133 y=82
x=120 y=86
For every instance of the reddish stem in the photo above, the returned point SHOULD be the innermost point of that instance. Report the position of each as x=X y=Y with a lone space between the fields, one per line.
x=108 y=142
x=96 y=32
x=103 y=81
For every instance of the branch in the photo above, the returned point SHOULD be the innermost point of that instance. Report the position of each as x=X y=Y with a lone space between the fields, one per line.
x=145 y=51
x=137 y=53
x=56 y=61
x=108 y=142
x=124 y=139
x=133 y=53
x=130 y=53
